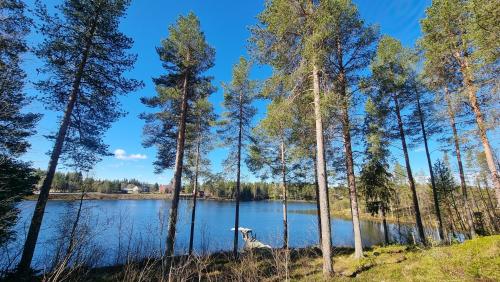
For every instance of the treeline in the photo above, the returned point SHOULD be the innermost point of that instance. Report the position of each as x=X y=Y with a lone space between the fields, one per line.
x=255 y=191
x=343 y=102
x=71 y=182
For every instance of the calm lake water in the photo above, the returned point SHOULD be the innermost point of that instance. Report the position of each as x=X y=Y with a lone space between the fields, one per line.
x=141 y=225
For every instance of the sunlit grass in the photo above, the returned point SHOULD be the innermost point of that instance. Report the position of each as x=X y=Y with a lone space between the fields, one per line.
x=474 y=260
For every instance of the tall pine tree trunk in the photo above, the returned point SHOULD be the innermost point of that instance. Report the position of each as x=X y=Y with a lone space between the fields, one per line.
x=322 y=178
x=36 y=221
x=431 y=171
x=411 y=181
x=285 y=203
x=463 y=185
x=351 y=182
x=349 y=160
x=195 y=192
x=318 y=210
x=179 y=159
x=238 y=172
x=481 y=124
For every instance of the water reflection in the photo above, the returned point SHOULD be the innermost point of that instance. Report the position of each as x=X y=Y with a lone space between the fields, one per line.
x=119 y=227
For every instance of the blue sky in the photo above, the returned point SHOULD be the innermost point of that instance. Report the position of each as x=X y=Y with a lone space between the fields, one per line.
x=225 y=23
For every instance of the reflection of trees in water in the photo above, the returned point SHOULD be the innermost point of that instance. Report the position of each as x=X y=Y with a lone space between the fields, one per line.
x=126 y=230
x=373 y=233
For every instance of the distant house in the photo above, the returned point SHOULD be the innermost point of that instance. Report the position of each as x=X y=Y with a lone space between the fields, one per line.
x=166 y=189
x=133 y=189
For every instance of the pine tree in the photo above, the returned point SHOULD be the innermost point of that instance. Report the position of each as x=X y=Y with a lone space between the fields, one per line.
x=375 y=176
x=445 y=185
x=484 y=30
x=197 y=163
x=15 y=126
x=303 y=128
x=185 y=55
x=350 y=50
x=270 y=152
x=17 y=178
x=444 y=78
x=391 y=72
x=291 y=37
x=84 y=57
x=451 y=32
x=421 y=128
x=239 y=95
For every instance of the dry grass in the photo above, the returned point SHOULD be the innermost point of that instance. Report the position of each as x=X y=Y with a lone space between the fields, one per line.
x=474 y=260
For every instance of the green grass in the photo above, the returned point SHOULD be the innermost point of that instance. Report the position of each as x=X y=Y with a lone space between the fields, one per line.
x=474 y=260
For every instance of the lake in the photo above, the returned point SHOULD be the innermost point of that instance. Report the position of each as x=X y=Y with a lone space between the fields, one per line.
x=139 y=226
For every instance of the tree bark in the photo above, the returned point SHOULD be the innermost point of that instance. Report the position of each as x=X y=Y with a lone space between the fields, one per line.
x=238 y=174
x=411 y=181
x=431 y=171
x=195 y=193
x=472 y=94
x=349 y=162
x=322 y=180
x=318 y=210
x=285 y=203
x=351 y=182
x=36 y=221
x=463 y=185
x=179 y=159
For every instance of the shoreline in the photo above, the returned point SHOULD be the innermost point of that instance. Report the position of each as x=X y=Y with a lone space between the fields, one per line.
x=99 y=196
x=57 y=196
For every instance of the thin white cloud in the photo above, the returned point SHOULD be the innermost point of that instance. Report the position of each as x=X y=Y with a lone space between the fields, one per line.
x=419 y=149
x=122 y=155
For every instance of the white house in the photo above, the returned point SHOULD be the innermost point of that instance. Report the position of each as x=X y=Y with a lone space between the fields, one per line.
x=132 y=189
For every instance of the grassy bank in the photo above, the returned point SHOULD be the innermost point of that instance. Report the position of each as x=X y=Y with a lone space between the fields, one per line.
x=474 y=260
